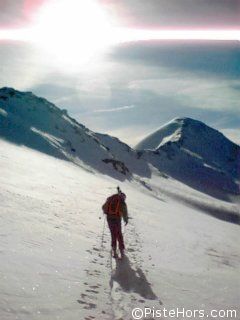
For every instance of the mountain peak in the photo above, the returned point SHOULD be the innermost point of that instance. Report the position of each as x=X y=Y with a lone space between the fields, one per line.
x=167 y=132
x=178 y=129
x=12 y=92
x=193 y=145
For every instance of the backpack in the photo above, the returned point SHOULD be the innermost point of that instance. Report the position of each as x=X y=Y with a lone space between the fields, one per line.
x=112 y=205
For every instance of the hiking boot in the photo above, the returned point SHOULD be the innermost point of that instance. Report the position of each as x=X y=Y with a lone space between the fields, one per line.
x=122 y=253
x=114 y=253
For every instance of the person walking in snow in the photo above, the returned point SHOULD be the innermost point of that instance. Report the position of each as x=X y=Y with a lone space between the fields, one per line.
x=115 y=209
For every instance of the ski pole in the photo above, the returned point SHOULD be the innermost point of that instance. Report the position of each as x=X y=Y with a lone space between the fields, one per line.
x=104 y=222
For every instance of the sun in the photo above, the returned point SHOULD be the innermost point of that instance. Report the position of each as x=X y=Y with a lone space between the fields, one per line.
x=73 y=31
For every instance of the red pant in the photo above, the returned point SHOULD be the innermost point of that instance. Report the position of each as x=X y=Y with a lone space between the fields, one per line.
x=116 y=233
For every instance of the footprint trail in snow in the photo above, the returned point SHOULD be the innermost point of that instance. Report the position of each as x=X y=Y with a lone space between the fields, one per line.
x=114 y=287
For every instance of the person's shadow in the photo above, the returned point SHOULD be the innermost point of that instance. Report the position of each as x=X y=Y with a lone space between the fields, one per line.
x=132 y=280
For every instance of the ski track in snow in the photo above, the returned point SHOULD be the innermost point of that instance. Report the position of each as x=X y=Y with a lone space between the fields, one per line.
x=128 y=286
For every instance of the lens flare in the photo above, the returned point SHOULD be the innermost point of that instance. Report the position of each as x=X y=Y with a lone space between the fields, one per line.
x=73 y=32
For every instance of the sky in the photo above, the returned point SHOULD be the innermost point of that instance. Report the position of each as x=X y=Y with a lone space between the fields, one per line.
x=127 y=67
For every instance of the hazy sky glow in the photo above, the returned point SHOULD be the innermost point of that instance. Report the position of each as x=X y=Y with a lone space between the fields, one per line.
x=112 y=63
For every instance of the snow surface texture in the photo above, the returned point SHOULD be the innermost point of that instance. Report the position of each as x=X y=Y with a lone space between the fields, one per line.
x=192 y=152
x=55 y=251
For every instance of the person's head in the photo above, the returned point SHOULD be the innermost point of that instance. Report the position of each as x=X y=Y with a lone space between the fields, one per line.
x=122 y=196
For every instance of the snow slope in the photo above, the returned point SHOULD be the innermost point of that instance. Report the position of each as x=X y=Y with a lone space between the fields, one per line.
x=55 y=261
x=32 y=121
x=195 y=154
x=125 y=154
x=55 y=257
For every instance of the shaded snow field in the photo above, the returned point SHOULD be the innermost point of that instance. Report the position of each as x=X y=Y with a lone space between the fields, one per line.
x=55 y=257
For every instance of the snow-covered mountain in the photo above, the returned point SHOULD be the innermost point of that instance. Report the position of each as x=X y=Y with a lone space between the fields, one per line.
x=196 y=154
x=185 y=149
x=32 y=121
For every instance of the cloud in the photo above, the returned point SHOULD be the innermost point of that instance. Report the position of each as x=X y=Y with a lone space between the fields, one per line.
x=153 y=110
x=11 y=12
x=193 y=91
x=217 y=58
x=18 y=13
x=142 y=13
x=232 y=134
x=114 y=109
x=130 y=134
x=22 y=65
x=78 y=92
x=174 y=13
